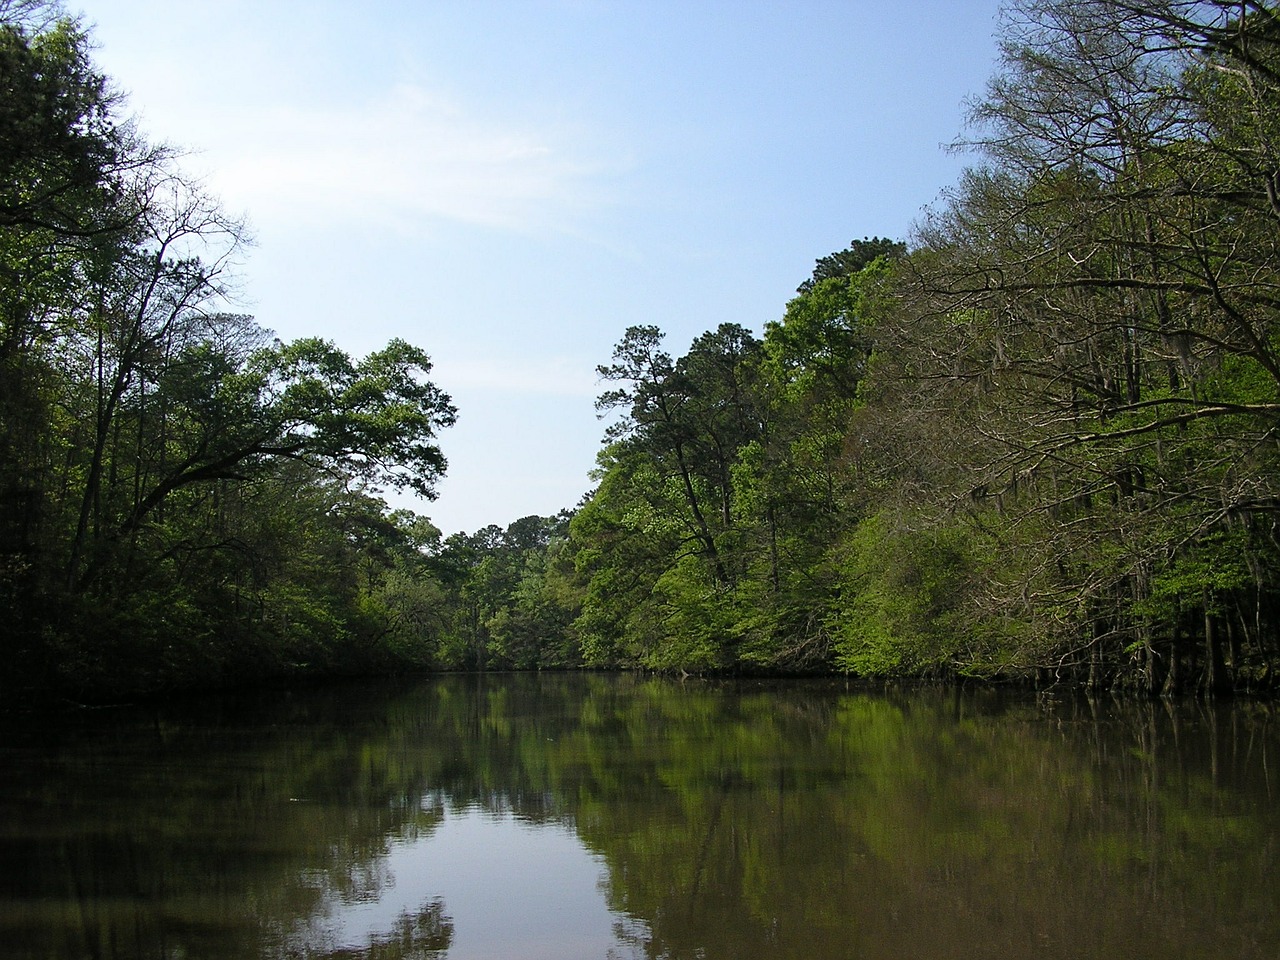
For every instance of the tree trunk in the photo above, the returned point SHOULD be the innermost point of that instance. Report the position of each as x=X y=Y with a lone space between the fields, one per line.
x=704 y=531
x=1215 y=673
x=1173 y=678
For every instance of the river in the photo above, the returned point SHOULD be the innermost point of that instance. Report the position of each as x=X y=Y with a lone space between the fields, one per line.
x=606 y=817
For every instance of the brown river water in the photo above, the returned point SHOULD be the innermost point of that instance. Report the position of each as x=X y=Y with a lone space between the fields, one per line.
x=602 y=816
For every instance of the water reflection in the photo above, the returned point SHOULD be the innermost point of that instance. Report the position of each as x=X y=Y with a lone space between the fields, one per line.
x=588 y=816
x=425 y=934
x=516 y=889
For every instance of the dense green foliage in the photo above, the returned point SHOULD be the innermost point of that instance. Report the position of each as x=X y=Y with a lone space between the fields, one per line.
x=182 y=499
x=1038 y=440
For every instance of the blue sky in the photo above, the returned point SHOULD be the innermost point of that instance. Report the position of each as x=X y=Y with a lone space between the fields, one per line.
x=510 y=185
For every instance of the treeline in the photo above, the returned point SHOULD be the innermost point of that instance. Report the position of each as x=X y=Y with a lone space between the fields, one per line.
x=1038 y=441
x=183 y=498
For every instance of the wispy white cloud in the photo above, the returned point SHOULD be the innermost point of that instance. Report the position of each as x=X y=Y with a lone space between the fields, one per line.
x=408 y=156
x=542 y=376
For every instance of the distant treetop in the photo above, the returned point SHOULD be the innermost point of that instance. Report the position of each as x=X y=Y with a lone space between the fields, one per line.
x=845 y=263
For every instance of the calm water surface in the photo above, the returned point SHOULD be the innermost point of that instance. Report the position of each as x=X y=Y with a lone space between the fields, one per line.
x=616 y=817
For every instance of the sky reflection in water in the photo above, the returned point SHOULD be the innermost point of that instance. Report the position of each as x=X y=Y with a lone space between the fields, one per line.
x=508 y=887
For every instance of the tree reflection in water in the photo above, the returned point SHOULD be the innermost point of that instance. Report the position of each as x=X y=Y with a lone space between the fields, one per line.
x=425 y=935
x=726 y=820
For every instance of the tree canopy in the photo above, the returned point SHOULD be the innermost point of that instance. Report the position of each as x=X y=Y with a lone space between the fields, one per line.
x=182 y=498
x=1037 y=439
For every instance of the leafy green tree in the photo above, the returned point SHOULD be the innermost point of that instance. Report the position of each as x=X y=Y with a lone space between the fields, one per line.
x=807 y=480
x=853 y=259
x=373 y=420
x=510 y=596
x=622 y=543
x=1101 y=290
x=657 y=420
x=61 y=147
x=66 y=213
x=666 y=519
x=180 y=496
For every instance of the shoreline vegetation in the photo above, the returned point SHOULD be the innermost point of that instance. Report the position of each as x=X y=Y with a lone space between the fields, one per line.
x=1038 y=440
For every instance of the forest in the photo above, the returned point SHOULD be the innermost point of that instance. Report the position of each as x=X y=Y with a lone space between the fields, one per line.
x=1035 y=441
